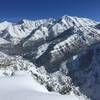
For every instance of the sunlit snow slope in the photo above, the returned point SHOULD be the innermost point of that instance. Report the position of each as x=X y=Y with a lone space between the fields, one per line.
x=23 y=87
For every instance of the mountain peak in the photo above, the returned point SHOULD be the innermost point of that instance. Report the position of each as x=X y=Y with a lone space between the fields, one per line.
x=23 y=21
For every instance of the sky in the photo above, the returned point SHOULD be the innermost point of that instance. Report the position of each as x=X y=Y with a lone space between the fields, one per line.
x=15 y=10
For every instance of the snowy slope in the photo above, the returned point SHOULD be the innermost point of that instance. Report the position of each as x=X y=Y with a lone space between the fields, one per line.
x=3 y=41
x=23 y=87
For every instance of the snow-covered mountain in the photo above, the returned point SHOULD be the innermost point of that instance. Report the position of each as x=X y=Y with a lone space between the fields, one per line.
x=63 y=55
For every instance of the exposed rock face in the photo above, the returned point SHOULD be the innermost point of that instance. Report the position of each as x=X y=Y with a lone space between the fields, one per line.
x=61 y=54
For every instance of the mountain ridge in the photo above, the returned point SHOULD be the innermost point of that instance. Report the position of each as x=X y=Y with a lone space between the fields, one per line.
x=62 y=54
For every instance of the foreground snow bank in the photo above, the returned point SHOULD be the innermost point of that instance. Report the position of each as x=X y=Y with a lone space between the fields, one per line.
x=23 y=87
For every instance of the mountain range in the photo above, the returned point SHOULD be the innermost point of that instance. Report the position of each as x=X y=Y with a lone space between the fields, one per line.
x=61 y=54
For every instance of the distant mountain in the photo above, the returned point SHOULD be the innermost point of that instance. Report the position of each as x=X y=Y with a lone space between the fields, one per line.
x=63 y=54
